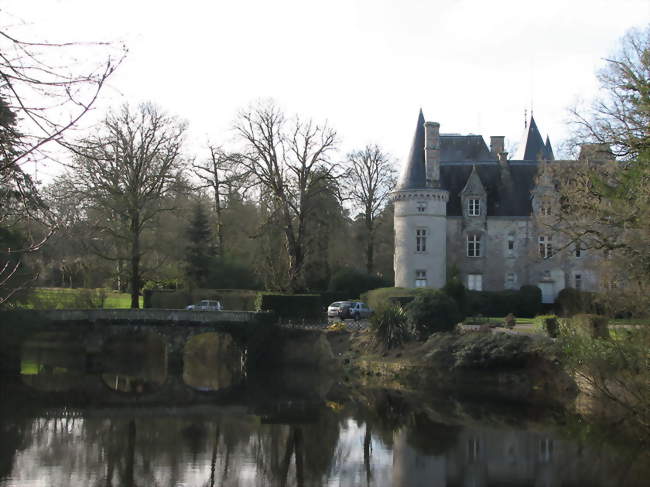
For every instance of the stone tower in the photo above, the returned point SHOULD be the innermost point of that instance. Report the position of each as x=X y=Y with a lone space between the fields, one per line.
x=421 y=213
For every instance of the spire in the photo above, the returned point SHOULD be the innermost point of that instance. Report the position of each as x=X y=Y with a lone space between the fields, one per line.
x=532 y=145
x=549 y=149
x=413 y=173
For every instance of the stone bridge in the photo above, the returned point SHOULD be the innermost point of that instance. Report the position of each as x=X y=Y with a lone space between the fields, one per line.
x=95 y=328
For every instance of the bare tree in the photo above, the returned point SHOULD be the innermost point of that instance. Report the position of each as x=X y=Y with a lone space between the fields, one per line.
x=45 y=90
x=125 y=171
x=222 y=173
x=286 y=158
x=620 y=117
x=372 y=176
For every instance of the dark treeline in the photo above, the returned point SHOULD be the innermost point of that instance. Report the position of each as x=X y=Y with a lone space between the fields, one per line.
x=282 y=211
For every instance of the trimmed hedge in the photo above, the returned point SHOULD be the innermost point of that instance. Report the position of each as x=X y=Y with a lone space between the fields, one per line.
x=571 y=301
x=290 y=306
x=232 y=299
x=527 y=302
x=387 y=296
x=432 y=311
x=354 y=282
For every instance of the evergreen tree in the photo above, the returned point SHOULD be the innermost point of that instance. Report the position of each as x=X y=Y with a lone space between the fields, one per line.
x=200 y=253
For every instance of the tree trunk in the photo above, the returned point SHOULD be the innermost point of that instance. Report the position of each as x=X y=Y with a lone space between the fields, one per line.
x=367 y=445
x=135 y=262
x=370 y=247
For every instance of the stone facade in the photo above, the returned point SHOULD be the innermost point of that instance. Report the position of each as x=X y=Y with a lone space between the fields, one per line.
x=463 y=207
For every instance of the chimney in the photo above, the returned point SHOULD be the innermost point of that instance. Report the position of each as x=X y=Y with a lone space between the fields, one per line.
x=432 y=153
x=497 y=143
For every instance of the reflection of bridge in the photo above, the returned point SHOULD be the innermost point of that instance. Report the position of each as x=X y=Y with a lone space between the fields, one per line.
x=94 y=328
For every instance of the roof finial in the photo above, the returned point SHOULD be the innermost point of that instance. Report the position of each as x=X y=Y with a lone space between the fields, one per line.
x=525 y=118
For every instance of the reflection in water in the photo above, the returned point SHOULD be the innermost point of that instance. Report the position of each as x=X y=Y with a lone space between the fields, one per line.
x=52 y=362
x=134 y=366
x=212 y=361
x=297 y=437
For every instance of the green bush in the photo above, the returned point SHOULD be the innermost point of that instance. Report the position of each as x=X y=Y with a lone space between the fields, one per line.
x=527 y=302
x=290 y=306
x=454 y=289
x=432 y=311
x=570 y=302
x=386 y=296
x=232 y=299
x=390 y=326
x=593 y=326
x=354 y=282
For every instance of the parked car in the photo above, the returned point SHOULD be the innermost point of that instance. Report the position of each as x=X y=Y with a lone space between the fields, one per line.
x=333 y=309
x=205 y=305
x=353 y=309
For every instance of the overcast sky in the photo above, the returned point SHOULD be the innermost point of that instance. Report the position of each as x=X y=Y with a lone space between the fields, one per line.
x=367 y=66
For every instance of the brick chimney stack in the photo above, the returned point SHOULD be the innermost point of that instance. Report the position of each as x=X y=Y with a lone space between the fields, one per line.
x=497 y=143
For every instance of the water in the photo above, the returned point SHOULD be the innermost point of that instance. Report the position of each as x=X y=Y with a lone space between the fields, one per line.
x=126 y=420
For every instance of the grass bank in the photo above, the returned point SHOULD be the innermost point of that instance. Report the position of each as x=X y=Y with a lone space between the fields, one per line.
x=65 y=298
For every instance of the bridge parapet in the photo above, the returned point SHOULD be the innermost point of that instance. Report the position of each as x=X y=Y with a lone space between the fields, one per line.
x=154 y=316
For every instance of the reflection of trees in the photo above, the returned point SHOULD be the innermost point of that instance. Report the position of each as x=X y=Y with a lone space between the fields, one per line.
x=212 y=361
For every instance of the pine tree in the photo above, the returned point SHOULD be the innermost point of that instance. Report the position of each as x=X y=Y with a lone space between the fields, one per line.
x=200 y=252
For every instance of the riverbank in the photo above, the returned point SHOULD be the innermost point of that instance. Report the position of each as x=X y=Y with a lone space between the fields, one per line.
x=513 y=367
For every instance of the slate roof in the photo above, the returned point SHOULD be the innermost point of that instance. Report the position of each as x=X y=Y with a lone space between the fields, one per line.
x=532 y=146
x=413 y=174
x=508 y=188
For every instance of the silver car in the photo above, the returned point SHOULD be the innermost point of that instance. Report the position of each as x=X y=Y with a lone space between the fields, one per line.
x=205 y=305
x=334 y=309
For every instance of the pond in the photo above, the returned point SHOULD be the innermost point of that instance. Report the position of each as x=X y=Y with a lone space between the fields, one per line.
x=124 y=419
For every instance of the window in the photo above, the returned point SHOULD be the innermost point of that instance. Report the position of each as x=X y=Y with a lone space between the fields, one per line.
x=421 y=206
x=510 y=245
x=420 y=278
x=475 y=282
x=577 y=279
x=473 y=245
x=421 y=240
x=511 y=280
x=473 y=449
x=578 y=249
x=474 y=207
x=545 y=247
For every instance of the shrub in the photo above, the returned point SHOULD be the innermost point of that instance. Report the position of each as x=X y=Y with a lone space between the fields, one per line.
x=290 y=306
x=529 y=303
x=551 y=326
x=432 y=311
x=390 y=326
x=354 y=282
x=386 y=296
x=232 y=299
x=570 y=302
x=616 y=372
x=593 y=326
x=454 y=289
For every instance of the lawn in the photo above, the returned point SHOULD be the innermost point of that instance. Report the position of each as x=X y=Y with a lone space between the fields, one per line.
x=64 y=298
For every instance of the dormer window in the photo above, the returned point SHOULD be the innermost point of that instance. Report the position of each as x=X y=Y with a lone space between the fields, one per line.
x=473 y=207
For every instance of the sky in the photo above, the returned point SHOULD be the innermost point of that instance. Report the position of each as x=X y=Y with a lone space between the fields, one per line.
x=364 y=66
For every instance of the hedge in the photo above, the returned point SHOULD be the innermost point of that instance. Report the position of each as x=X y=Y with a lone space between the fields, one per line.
x=527 y=302
x=232 y=299
x=385 y=296
x=290 y=306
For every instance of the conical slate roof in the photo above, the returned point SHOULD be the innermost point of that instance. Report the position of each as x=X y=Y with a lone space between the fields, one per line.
x=549 y=150
x=532 y=146
x=414 y=172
